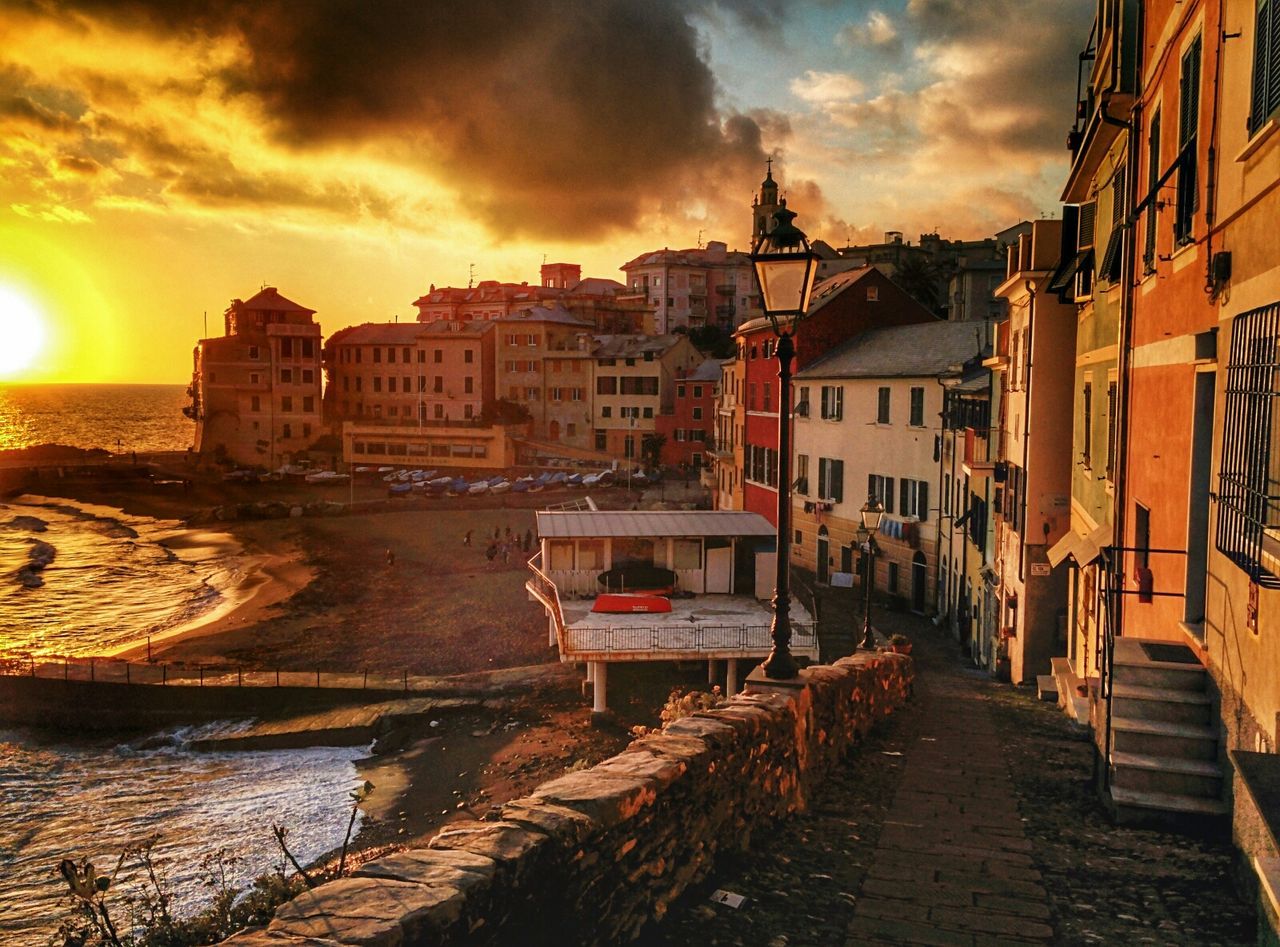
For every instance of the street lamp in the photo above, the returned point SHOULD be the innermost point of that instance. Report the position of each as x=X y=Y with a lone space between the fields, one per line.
x=785 y=267
x=872 y=513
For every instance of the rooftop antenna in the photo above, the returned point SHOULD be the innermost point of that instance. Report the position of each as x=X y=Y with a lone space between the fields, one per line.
x=206 y=323
x=471 y=274
x=699 y=239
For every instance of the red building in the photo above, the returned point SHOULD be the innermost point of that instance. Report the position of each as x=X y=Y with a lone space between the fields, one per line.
x=689 y=426
x=843 y=306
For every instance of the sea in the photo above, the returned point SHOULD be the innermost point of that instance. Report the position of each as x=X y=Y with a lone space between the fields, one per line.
x=81 y=579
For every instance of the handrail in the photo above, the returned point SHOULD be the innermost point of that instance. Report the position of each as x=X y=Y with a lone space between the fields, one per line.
x=544 y=590
x=707 y=638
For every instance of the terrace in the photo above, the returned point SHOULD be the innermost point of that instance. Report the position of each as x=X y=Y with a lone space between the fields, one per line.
x=722 y=562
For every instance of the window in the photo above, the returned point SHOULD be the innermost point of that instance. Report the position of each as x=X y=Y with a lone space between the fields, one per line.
x=680 y=391
x=1249 y=483
x=917 y=407
x=697 y=414
x=438 y=412
x=308 y=348
x=648 y=412
x=422 y=356
x=254 y=378
x=639 y=385
x=606 y=412
x=391 y=384
x=286 y=403
x=832 y=402
x=405 y=356
x=468 y=385
x=602 y=440
x=1111 y=428
x=881 y=488
x=679 y=434
x=882 y=406
x=802 y=474
x=467 y=411
x=697 y=391
x=255 y=403
x=286 y=376
x=437 y=355
x=914 y=498
x=765 y=390
x=1153 y=179
x=286 y=348
x=437 y=384
x=802 y=402
x=873 y=294
x=308 y=376
x=607 y=385
x=422 y=383
x=1086 y=414
x=286 y=430
x=1188 y=124
x=377 y=355
x=1264 y=101
x=253 y=351
x=359 y=383
x=309 y=404
x=830 y=479
x=946 y=494
x=391 y=355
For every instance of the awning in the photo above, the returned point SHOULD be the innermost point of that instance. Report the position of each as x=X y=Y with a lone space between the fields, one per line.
x=1083 y=549
x=1062 y=548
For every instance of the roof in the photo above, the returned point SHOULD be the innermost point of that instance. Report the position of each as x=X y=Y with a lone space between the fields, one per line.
x=584 y=524
x=467 y=330
x=823 y=292
x=709 y=370
x=597 y=286
x=379 y=333
x=694 y=256
x=631 y=346
x=547 y=314
x=269 y=299
x=923 y=350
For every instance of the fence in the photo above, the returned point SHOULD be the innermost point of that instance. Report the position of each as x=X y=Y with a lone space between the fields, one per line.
x=709 y=639
x=120 y=671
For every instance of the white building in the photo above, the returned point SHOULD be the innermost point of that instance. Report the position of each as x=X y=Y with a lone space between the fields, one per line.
x=867 y=422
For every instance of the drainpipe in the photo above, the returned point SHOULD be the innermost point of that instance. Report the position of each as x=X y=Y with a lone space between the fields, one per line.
x=1026 y=424
x=939 y=578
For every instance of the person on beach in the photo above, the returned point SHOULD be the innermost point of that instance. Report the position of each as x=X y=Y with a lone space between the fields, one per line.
x=528 y=540
x=491 y=552
x=391 y=558
x=466 y=540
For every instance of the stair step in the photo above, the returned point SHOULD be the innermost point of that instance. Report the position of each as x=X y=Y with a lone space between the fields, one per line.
x=1164 y=674
x=1046 y=688
x=1172 y=694
x=1170 y=764
x=1167 y=802
x=1164 y=728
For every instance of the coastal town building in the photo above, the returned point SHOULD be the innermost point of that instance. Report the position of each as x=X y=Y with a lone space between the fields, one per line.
x=841 y=307
x=725 y=561
x=694 y=288
x=542 y=362
x=1032 y=495
x=256 y=390
x=867 y=422
x=470 y=446
x=728 y=457
x=409 y=373
x=635 y=381
x=687 y=430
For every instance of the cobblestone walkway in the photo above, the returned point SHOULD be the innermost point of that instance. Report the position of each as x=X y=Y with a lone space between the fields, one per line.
x=968 y=818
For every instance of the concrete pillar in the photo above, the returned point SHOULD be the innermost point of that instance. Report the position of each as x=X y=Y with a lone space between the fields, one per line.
x=711 y=670
x=551 y=631
x=599 y=686
x=731 y=677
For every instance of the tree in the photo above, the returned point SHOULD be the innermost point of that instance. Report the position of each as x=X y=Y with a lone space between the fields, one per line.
x=923 y=280
x=651 y=449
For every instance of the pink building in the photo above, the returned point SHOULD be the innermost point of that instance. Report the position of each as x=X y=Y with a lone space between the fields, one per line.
x=689 y=426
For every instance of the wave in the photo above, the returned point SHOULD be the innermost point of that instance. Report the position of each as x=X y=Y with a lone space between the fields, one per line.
x=31 y=524
x=41 y=555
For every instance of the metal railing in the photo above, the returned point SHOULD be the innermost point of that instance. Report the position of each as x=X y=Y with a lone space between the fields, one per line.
x=617 y=639
x=184 y=674
x=540 y=586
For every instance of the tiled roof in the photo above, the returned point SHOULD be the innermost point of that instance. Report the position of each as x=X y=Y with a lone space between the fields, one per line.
x=645 y=523
x=269 y=298
x=557 y=314
x=379 y=333
x=924 y=350
x=690 y=257
x=630 y=346
x=597 y=286
x=709 y=370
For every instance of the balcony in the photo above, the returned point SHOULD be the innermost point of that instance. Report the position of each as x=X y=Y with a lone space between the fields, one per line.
x=725 y=310
x=977 y=452
x=727 y=289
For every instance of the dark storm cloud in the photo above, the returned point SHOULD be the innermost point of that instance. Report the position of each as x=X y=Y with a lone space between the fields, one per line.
x=559 y=119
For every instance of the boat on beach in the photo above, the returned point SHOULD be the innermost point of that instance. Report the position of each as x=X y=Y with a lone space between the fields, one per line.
x=327 y=478
x=631 y=603
x=478 y=488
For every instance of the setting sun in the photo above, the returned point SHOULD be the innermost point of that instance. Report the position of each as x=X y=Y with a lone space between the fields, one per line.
x=22 y=333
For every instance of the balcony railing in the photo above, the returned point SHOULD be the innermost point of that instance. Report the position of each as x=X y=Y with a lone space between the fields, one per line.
x=977 y=448
x=635 y=639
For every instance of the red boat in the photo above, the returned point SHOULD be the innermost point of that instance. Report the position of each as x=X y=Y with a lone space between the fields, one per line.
x=620 y=602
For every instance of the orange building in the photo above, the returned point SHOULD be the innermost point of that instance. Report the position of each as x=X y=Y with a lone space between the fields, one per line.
x=255 y=391
x=542 y=362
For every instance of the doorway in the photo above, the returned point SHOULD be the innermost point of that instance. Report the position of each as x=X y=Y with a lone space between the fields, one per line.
x=823 y=564
x=1198 y=502
x=919 y=575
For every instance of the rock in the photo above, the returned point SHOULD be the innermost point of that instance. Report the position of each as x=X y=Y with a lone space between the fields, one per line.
x=372 y=912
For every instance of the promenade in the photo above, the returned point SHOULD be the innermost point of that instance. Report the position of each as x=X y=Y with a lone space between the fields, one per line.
x=966 y=819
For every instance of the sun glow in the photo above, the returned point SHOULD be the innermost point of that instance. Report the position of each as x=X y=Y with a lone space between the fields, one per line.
x=22 y=333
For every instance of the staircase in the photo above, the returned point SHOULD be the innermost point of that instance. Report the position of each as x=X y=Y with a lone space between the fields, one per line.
x=1164 y=743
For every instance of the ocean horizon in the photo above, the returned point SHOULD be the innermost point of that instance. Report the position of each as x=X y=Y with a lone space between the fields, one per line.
x=116 y=417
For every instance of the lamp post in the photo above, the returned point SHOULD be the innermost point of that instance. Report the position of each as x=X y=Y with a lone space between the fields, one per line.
x=872 y=513
x=784 y=267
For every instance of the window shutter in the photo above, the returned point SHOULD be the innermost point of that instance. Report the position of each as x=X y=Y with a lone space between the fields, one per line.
x=1153 y=178
x=922 y=500
x=1273 y=62
x=1088 y=215
x=904 y=495
x=888 y=494
x=1263 y=66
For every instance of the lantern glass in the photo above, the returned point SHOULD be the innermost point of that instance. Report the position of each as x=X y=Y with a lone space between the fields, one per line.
x=872 y=513
x=786 y=280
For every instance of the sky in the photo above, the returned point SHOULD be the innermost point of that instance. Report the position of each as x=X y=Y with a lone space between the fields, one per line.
x=159 y=158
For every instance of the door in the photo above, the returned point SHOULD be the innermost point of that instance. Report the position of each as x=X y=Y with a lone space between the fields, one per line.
x=846 y=558
x=823 y=565
x=719 y=571
x=919 y=575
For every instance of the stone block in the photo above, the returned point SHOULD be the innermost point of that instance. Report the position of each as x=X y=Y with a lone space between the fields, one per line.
x=260 y=937
x=639 y=763
x=370 y=912
x=453 y=868
x=566 y=827
x=607 y=799
x=715 y=732
x=503 y=842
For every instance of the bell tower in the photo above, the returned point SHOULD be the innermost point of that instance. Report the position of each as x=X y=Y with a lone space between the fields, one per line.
x=764 y=205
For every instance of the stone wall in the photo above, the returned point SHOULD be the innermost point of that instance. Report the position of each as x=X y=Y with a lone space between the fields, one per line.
x=592 y=856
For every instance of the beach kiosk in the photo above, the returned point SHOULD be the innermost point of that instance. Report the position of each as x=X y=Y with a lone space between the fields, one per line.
x=661 y=585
